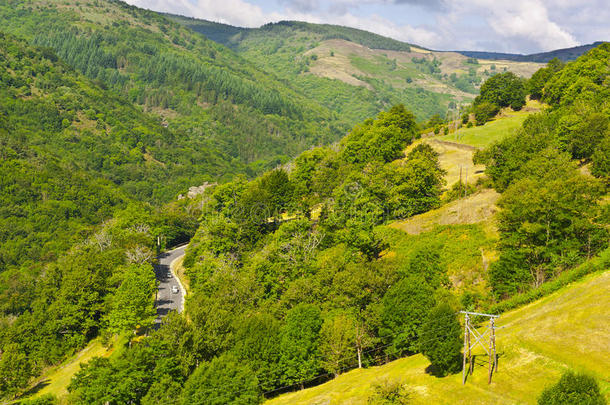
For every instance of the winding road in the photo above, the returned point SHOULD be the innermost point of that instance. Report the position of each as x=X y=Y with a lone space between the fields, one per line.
x=170 y=293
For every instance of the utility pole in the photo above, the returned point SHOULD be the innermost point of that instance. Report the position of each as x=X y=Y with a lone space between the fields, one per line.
x=466 y=183
x=478 y=339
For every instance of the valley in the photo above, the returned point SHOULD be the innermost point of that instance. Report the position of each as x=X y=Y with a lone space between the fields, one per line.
x=199 y=213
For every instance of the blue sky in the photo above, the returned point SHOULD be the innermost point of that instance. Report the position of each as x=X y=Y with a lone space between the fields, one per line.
x=520 y=26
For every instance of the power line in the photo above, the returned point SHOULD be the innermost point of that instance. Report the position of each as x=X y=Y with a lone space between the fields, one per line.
x=468 y=330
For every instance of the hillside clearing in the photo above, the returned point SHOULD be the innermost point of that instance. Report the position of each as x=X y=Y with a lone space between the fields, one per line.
x=505 y=124
x=348 y=61
x=476 y=208
x=539 y=341
x=56 y=381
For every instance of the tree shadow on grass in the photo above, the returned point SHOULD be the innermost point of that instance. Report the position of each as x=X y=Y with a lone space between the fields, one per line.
x=36 y=388
x=454 y=367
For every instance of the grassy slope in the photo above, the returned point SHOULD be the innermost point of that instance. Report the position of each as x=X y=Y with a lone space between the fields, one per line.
x=464 y=250
x=465 y=229
x=508 y=122
x=476 y=208
x=56 y=380
x=539 y=342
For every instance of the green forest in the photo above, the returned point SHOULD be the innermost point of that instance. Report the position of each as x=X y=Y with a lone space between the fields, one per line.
x=108 y=112
x=188 y=82
x=285 y=48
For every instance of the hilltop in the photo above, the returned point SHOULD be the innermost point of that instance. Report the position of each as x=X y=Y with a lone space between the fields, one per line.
x=564 y=54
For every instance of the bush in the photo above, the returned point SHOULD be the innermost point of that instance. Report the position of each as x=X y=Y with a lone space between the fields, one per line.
x=573 y=389
x=389 y=393
x=459 y=190
x=484 y=112
x=47 y=399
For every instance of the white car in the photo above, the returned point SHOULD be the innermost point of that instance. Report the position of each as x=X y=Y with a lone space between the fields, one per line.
x=175 y=289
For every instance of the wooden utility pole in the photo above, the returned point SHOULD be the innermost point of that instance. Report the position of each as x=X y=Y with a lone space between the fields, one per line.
x=478 y=339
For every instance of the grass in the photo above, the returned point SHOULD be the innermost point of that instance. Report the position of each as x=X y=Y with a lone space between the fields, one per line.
x=57 y=379
x=567 y=329
x=476 y=208
x=484 y=135
x=464 y=250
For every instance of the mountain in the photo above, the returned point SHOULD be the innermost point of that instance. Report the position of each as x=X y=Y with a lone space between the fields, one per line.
x=212 y=98
x=356 y=72
x=564 y=54
x=72 y=154
x=227 y=34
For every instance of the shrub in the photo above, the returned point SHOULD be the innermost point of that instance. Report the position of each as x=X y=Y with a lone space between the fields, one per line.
x=573 y=389
x=389 y=393
x=47 y=399
x=484 y=112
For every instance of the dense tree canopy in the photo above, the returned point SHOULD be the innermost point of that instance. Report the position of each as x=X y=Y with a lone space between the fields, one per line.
x=441 y=339
x=504 y=90
x=552 y=216
x=501 y=90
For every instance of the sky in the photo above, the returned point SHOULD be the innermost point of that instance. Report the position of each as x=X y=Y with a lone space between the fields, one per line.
x=516 y=26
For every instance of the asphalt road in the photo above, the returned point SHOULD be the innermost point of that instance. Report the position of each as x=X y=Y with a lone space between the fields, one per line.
x=167 y=300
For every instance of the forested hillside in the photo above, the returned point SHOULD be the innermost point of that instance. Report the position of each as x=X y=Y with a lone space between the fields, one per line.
x=74 y=156
x=356 y=72
x=295 y=278
x=565 y=54
x=72 y=153
x=212 y=99
x=297 y=265
x=265 y=290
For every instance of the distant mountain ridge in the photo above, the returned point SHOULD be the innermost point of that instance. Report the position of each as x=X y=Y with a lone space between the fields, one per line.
x=354 y=72
x=564 y=54
x=227 y=35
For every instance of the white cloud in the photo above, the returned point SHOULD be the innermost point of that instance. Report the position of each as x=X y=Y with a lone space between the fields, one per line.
x=244 y=14
x=526 y=20
x=235 y=12
x=523 y=26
